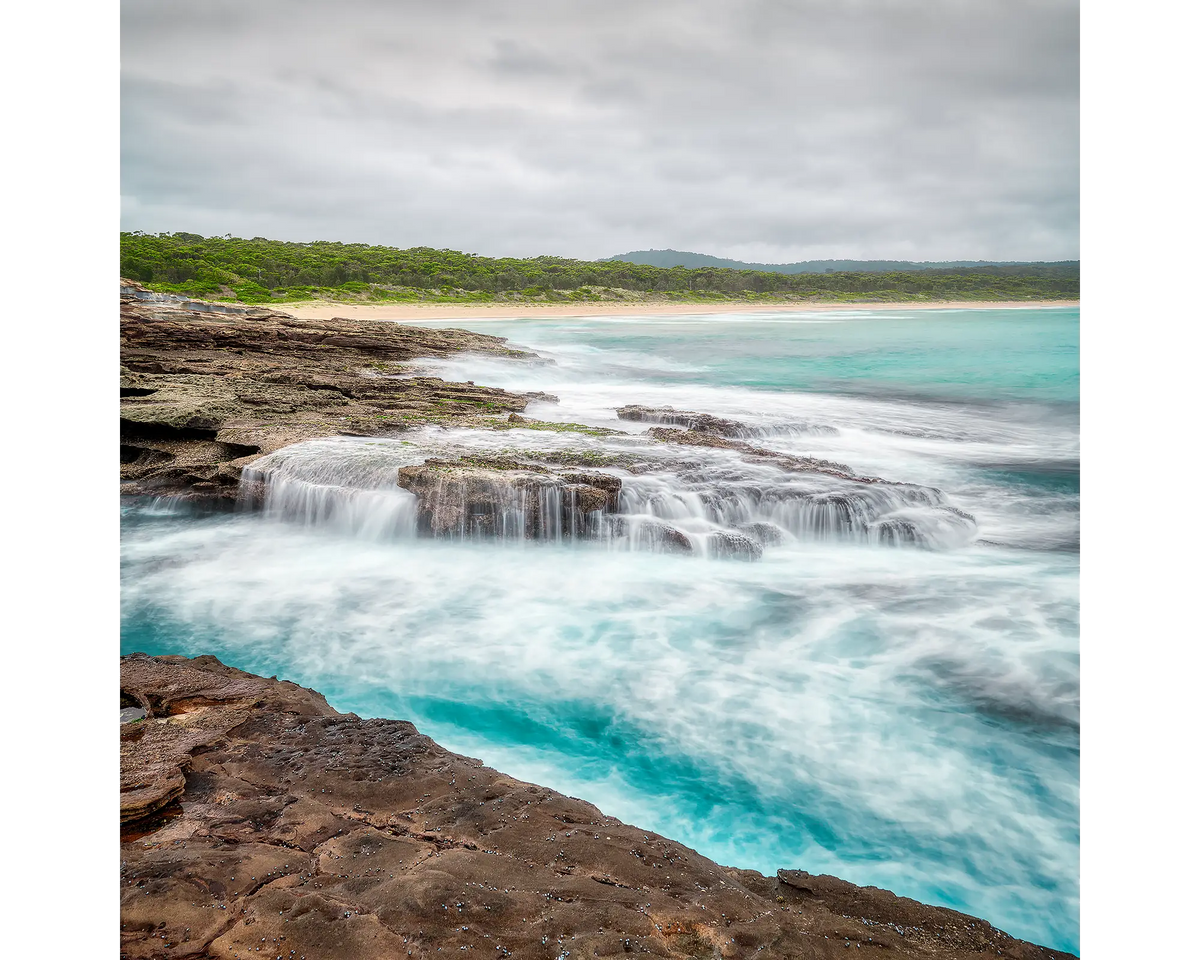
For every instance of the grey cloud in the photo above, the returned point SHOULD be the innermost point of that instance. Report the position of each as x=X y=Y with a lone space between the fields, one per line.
x=929 y=129
x=515 y=58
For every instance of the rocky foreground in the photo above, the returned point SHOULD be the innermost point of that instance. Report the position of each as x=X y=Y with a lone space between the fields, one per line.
x=256 y=821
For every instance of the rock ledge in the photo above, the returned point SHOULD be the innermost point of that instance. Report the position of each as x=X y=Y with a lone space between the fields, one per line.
x=257 y=821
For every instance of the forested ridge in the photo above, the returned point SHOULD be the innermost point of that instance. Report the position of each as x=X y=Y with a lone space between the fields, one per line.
x=262 y=271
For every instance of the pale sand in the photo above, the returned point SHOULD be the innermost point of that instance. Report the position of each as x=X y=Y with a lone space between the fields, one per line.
x=325 y=310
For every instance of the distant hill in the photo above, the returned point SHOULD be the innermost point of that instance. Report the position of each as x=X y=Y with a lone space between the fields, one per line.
x=680 y=258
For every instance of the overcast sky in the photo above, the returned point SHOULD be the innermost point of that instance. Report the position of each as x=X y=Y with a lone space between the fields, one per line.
x=772 y=131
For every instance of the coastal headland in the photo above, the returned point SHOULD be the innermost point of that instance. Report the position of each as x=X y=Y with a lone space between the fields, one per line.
x=256 y=820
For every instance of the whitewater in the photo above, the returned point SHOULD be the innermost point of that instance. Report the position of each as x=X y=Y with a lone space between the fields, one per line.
x=877 y=680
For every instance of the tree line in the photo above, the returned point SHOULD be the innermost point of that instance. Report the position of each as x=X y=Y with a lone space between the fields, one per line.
x=259 y=270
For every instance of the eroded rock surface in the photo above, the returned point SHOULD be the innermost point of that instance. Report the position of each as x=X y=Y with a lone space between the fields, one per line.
x=688 y=419
x=498 y=497
x=204 y=392
x=695 y=438
x=707 y=423
x=300 y=832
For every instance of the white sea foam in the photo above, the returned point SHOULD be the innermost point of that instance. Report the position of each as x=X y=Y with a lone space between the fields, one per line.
x=867 y=684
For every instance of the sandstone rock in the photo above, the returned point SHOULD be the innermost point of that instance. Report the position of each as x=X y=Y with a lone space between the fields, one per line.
x=506 y=498
x=897 y=531
x=695 y=438
x=609 y=485
x=718 y=426
x=689 y=420
x=204 y=392
x=724 y=544
x=302 y=832
x=650 y=534
x=767 y=534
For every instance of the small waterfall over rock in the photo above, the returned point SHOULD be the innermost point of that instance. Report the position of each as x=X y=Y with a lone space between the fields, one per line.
x=665 y=498
x=497 y=499
x=808 y=507
x=344 y=485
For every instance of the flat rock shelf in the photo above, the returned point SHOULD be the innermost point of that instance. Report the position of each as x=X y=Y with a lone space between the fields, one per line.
x=257 y=821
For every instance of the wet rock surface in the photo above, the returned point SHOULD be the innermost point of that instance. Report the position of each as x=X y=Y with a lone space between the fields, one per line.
x=725 y=544
x=209 y=390
x=651 y=534
x=291 y=830
x=695 y=422
x=763 y=533
x=695 y=438
x=204 y=392
x=493 y=496
x=688 y=419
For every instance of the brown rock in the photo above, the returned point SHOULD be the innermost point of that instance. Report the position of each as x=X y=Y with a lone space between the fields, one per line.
x=734 y=546
x=302 y=832
x=208 y=388
x=652 y=534
x=693 y=438
x=496 y=496
x=688 y=419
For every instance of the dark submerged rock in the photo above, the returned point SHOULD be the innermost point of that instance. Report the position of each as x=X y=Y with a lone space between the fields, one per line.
x=718 y=426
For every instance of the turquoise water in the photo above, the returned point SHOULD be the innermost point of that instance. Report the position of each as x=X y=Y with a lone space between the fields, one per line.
x=991 y=355
x=901 y=717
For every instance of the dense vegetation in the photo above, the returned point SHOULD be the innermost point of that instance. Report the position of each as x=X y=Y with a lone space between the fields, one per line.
x=261 y=271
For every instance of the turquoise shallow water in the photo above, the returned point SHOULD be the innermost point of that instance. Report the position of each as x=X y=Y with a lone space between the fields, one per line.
x=896 y=716
x=989 y=355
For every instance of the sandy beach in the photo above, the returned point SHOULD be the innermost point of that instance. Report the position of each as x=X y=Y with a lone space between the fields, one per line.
x=325 y=310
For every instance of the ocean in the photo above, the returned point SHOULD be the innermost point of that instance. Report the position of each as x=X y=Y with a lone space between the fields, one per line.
x=890 y=694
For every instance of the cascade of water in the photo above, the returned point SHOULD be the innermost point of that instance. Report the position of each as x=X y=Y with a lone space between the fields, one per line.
x=464 y=501
x=709 y=502
x=168 y=506
x=813 y=508
x=347 y=486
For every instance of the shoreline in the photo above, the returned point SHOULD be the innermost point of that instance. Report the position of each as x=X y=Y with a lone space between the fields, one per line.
x=251 y=811
x=328 y=310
